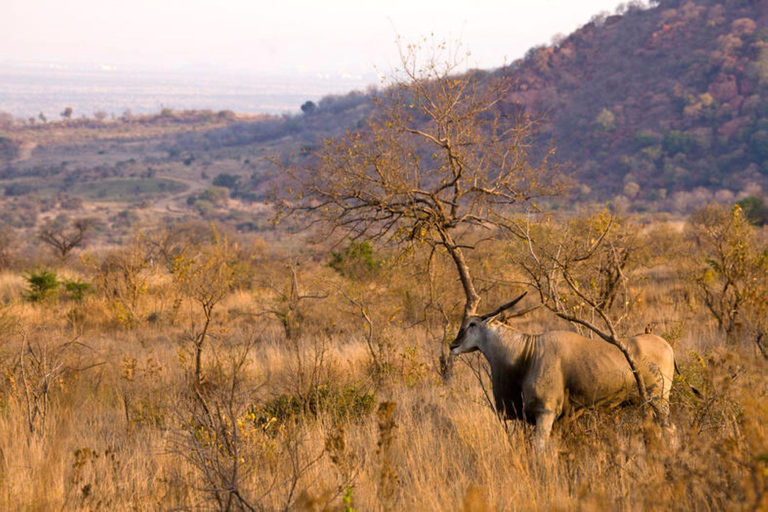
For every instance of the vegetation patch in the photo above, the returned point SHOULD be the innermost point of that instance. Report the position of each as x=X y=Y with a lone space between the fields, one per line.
x=355 y=260
x=339 y=402
x=127 y=189
x=43 y=285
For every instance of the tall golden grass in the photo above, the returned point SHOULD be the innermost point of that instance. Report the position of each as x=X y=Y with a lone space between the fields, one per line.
x=97 y=413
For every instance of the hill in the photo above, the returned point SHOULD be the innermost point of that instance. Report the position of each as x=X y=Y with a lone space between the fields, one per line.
x=663 y=105
x=668 y=98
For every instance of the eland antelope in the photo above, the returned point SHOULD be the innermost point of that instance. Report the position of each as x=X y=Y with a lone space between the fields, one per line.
x=539 y=378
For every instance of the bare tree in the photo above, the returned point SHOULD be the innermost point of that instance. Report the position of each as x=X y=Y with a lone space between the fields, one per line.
x=213 y=442
x=242 y=466
x=731 y=278
x=729 y=264
x=375 y=348
x=8 y=246
x=288 y=309
x=42 y=368
x=207 y=274
x=62 y=237
x=122 y=278
x=440 y=155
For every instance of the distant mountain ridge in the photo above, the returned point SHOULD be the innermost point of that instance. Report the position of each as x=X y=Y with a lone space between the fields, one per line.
x=669 y=98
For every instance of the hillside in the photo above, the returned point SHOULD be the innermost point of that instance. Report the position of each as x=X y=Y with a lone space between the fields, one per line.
x=651 y=103
x=172 y=166
x=670 y=98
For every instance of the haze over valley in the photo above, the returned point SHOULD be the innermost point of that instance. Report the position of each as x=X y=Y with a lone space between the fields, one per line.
x=26 y=90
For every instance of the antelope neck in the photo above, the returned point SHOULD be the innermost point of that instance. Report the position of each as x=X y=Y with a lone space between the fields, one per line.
x=504 y=345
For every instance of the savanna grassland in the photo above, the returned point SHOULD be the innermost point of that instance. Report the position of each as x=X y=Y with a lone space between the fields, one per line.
x=171 y=341
x=320 y=385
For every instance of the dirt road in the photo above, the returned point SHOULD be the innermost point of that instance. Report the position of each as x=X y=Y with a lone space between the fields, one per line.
x=165 y=203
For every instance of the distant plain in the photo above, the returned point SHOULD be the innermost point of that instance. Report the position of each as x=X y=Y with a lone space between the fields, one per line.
x=26 y=91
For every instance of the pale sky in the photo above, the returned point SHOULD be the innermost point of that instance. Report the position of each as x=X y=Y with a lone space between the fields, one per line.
x=277 y=36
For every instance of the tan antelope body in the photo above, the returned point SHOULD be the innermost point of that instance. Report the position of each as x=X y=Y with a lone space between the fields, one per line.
x=538 y=378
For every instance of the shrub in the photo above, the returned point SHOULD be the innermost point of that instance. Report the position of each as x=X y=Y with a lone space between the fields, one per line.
x=355 y=261
x=217 y=196
x=230 y=181
x=758 y=145
x=43 y=285
x=755 y=209
x=647 y=138
x=730 y=277
x=341 y=403
x=18 y=189
x=677 y=142
x=76 y=290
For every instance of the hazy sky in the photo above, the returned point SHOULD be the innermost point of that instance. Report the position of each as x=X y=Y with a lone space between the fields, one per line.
x=276 y=36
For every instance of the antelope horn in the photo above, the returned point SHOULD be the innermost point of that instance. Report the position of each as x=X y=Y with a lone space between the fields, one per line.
x=503 y=307
x=523 y=312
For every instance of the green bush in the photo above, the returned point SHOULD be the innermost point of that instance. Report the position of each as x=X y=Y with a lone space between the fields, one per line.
x=341 y=403
x=76 y=290
x=647 y=138
x=230 y=181
x=355 y=261
x=755 y=209
x=43 y=285
x=758 y=145
x=677 y=142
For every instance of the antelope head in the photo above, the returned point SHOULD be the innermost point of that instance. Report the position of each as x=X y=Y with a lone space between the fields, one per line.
x=473 y=329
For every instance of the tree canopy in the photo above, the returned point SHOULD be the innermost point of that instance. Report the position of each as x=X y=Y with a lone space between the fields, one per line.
x=439 y=154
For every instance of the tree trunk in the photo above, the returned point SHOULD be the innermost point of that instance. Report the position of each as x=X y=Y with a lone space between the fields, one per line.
x=473 y=299
x=199 y=349
x=470 y=307
x=759 y=340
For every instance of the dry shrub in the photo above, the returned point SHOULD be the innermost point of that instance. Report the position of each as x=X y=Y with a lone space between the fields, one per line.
x=122 y=279
x=12 y=287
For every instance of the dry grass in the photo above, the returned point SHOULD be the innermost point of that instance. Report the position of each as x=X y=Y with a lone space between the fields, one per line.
x=124 y=429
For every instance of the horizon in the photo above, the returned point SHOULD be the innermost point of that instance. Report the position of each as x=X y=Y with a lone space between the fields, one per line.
x=28 y=91
x=295 y=52
x=340 y=36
